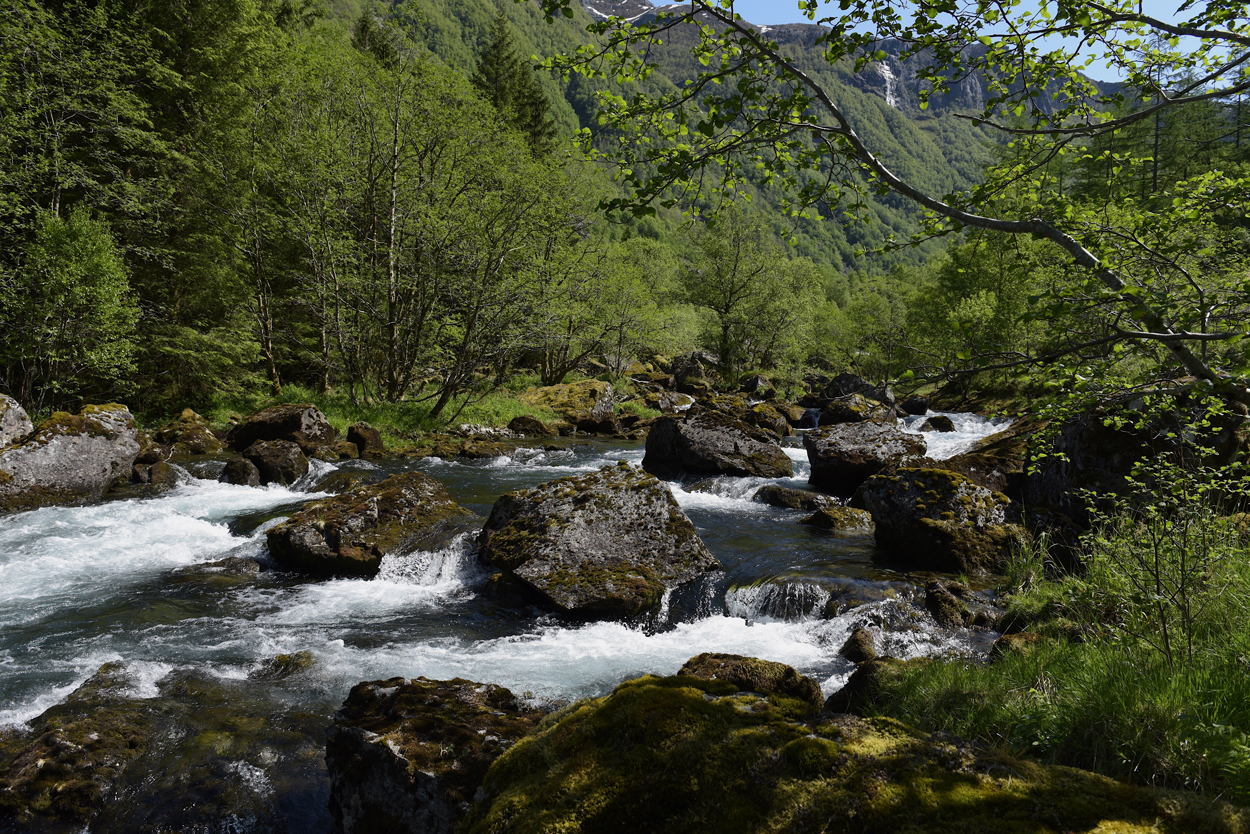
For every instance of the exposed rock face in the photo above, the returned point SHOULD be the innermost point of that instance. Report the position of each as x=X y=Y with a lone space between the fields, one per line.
x=190 y=434
x=708 y=443
x=603 y=545
x=70 y=459
x=938 y=519
x=855 y=408
x=836 y=517
x=14 y=422
x=846 y=455
x=349 y=534
x=791 y=499
x=277 y=461
x=409 y=756
x=751 y=674
x=304 y=425
x=574 y=400
x=366 y=439
x=938 y=423
x=997 y=462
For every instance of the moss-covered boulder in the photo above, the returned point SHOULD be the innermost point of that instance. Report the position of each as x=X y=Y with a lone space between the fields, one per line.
x=711 y=443
x=938 y=520
x=839 y=518
x=303 y=424
x=528 y=426
x=240 y=472
x=791 y=499
x=190 y=434
x=860 y=646
x=750 y=674
x=408 y=756
x=998 y=462
x=603 y=545
x=768 y=417
x=573 y=400
x=844 y=456
x=678 y=755
x=14 y=422
x=861 y=688
x=69 y=459
x=349 y=534
x=855 y=408
x=277 y=461
x=947 y=609
x=366 y=439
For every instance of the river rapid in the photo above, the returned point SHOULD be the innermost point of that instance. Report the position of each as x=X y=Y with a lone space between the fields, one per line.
x=82 y=586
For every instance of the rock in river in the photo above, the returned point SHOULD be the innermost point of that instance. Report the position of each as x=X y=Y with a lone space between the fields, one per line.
x=710 y=443
x=938 y=519
x=70 y=459
x=14 y=422
x=408 y=756
x=277 y=461
x=190 y=434
x=301 y=424
x=846 y=455
x=602 y=545
x=349 y=534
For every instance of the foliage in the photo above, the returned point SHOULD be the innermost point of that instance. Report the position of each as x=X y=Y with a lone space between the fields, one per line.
x=508 y=83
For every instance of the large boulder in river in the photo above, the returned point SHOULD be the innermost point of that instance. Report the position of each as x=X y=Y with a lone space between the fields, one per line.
x=938 y=520
x=603 y=545
x=350 y=534
x=409 y=756
x=190 y=434
x=855 y=408
x=366 y=439
x=844 y=456
x=302 y=424
x=14 y=422
x=750 y=674
x=70 y=459
x=277 y=461
x=710 y=443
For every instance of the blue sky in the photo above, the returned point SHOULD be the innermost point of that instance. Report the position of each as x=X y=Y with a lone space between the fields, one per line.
x=771 y=12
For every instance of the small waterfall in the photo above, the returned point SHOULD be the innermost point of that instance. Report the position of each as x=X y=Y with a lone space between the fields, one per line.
x=786 y=601
x=453 y=565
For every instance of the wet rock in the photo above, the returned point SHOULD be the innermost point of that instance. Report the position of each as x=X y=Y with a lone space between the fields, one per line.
x=150 y=451
x=241 y=472
x=574 y=400
x=304 y=425
x=792 y=499
x=282 y=667
x=409 y=756
x=768 y=418
x=708 y=443
x=837 y=517
x=844 y=456
x=230 y=570
x=860 y=646
x=751 y=674
x=530 y=427
x=190 y=434
x=997 y=462
x=846 y=593
x=349 y=534
x=938 y=423
x=602 y=545
x=793 y=412
x=915 y=404
x=366 y=439
x=1022 y=642
x=69 y=459
x=938 y=519
x=277 y=461
x=342 y=480
x=855 y=408
x=345 y=450
x=947 y=609
x=14 y=422
x=861 y=689
x=161 y=474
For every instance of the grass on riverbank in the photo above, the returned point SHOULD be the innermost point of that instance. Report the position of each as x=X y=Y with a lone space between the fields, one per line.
x=1098 y=693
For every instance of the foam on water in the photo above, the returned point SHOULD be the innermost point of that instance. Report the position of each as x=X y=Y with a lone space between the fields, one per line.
x=969 y=428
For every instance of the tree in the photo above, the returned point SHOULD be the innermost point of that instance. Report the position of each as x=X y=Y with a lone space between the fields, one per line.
x=755 y=107
x=508 y=82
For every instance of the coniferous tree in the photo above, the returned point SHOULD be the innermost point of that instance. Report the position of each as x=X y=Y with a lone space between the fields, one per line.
x=507 y=81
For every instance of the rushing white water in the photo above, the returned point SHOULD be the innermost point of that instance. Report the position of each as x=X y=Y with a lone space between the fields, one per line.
x=969 y=428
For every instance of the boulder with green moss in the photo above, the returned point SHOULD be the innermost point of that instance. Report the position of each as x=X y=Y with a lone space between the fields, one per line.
x=408 y=756
x=277 y=461
x=607 y=544
x=791 y=499
x=841 y=519
x=938 y=519
x=856 y=408
x=711 y=443
x=844 y=456
x=14 y=422
x=573 y=400
x=678 y=755
x=69 y=459
x=750 y=674
x=349 y=534
x=302 y=424
x=190 y=434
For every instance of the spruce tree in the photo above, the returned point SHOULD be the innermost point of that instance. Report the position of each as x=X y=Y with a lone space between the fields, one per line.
x=507 y=81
